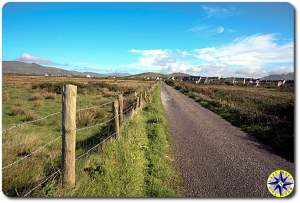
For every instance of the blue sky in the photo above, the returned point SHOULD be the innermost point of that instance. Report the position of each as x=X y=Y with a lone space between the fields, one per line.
x=239 y=39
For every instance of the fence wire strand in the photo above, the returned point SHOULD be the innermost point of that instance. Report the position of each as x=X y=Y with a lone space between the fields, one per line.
x=30 y=122
x=57 y=138
x=93 y=107
x=98 y=124
x=102 y=141
x=32 y=153
x=42 y=182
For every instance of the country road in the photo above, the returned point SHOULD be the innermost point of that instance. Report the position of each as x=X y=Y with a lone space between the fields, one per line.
x=215 y=158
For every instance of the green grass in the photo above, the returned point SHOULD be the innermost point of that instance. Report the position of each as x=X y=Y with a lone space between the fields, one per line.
x=265 y=113
x=138 y=164
x=27 y=102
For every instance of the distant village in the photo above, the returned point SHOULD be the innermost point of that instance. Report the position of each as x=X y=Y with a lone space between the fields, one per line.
x=212 y=80
x=231 y=80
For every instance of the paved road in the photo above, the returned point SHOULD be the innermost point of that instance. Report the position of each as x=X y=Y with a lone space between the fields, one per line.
x=215 y=158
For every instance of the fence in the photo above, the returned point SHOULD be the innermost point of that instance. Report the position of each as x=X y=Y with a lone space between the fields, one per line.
x=122 y=108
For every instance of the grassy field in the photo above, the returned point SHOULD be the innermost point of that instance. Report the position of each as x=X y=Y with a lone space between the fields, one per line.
x=265 y=113
x=29 y=98
x=132 y=166
x=138 y=164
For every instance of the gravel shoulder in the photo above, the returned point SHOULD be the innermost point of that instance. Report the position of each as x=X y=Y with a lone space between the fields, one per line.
x=215 y=158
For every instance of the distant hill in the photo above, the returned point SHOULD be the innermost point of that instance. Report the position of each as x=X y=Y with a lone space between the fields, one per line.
x=161 y=75
x=288 y=76
x=148 y=74
x=178 y=74
x=18 y=67
x=95 y=74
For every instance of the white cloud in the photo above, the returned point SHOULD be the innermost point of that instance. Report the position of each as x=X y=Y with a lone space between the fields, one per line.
x=254 y=50
x=220 y=29
x=209 y=30
x=197 y=29
x=31 y=59
x=281 y=70
x=250 y=56
x=218 y=11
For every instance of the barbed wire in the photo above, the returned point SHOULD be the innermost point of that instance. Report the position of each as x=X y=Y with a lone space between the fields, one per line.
x=79 y=129
x=102 y=141
x=93 y=107
x=30 y=154
x=42 y=182
x=30 y=122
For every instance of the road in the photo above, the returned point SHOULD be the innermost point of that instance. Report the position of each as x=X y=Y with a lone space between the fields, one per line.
x=215 y=158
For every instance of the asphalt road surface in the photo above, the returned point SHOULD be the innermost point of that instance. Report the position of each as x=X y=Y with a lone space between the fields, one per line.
x=215 y=158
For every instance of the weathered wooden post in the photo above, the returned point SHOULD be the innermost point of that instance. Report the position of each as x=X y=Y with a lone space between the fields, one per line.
x=116 y=116
x=137 y=101
x=69 y=94
x=141 y=99
x=120 y=98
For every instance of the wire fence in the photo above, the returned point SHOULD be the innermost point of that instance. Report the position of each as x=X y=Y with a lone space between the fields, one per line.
x=132 y=104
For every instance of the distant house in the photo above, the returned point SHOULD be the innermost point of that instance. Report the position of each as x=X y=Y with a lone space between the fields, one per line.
x=88 y=76
x=46 y=75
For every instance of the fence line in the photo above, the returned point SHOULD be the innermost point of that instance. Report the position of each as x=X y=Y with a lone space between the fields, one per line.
x=28 y=155
x=29 y=122
x=93 y=107
x=135 y=102
x=42 y=182
x=102 y=141
x=98 y=124
x=52 y=141
x=52 y=114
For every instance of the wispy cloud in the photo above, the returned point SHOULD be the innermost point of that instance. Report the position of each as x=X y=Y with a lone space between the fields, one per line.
x=218 y=11
x=209 y=30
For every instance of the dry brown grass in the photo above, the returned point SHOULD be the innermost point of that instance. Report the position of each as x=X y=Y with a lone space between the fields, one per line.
x=29 y=116
x=35 y=97
x=85 y=117
x=5 y=96
x=38 y=103
x=49 y=95
x=16 y=110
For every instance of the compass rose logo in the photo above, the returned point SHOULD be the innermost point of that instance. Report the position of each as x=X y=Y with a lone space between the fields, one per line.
x=280 y=183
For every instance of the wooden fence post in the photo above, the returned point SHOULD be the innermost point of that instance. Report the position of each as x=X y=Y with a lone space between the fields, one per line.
x=120 y=98
x=68 y=134
x=116 y=116
x=137 y=102
x=141 y=99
